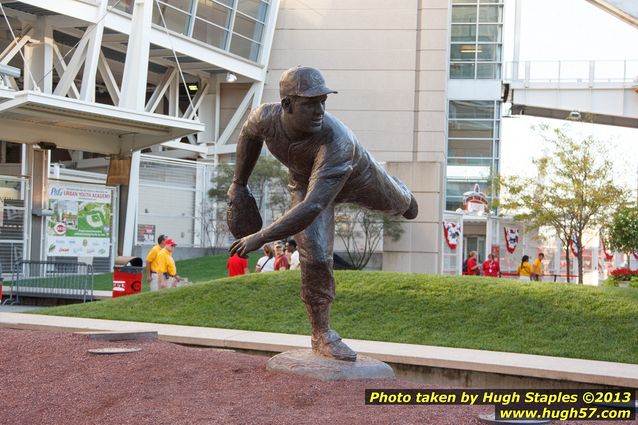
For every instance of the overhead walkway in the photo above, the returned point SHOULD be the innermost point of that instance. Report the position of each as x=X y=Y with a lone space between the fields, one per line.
x=602 y=92
x=627 y=10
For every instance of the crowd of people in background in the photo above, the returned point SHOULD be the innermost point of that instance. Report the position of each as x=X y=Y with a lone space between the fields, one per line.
x=526 y=271
x=280 y=256
x=162 y=273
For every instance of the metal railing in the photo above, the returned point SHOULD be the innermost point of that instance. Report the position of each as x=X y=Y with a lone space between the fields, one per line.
x=571 y=71
x=48 y=279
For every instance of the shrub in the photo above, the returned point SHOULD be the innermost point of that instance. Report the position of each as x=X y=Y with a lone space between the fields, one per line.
x=623 y=274
x=610 y=282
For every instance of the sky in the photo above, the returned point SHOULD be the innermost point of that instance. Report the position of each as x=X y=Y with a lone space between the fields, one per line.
x=569 y=30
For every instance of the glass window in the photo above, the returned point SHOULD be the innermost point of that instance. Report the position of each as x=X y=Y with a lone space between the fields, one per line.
x=452 y=203
x=491 y=14
x=464 y=32
x=462 y=70
x=469 y=148
x=465 y=1
x=476 y=162
x=476 y=36
x=491 y=71
x=214 y=12
x=183 y=5
x=247 y=27
x=123 y=5
x=471 y=109
x=458 y=188
x=489 y=32
x=472 y=148
x=471 y=129
x=175 y=15
x=464 y=14
x=244 y=48
x=488 y=52
x=466 y=172
x=254 y=8
x=463 y=52
x=209 y=33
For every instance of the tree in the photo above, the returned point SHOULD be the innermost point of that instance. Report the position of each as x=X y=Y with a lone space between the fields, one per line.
x=623 y=230
x=361 y=230
x=267 y=182
x=573 y=190
x=212 y=221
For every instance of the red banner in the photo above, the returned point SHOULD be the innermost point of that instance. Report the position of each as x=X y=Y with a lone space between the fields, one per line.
x=608 y=255
x=452 y=232
x=511 y=239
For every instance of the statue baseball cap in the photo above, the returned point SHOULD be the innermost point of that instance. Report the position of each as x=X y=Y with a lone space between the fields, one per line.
x=303 y=81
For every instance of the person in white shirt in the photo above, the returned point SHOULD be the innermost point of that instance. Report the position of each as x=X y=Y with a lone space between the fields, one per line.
x=293 y=254
x=267 y=262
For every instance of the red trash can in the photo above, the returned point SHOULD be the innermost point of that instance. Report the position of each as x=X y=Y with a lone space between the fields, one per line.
x=128 y=273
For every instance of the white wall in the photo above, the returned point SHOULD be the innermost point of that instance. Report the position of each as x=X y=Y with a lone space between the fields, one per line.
x=388 y=61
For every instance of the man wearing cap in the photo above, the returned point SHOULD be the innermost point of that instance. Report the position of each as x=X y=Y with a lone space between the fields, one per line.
x=151 y=262
x=326 y=165
x=166 y=270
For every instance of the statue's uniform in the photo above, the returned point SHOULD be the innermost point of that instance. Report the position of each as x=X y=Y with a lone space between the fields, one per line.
x=333 y=162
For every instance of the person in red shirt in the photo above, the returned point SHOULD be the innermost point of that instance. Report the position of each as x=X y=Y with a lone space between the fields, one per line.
x=281 y=261
x=237 y=265
x=472 y=266
x=491 y=267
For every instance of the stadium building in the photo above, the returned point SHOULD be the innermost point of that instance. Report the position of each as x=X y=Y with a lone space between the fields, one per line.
x=115 y=113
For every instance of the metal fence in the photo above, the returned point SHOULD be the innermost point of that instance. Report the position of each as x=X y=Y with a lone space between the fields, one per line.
x=48 y=279
x=14 y=215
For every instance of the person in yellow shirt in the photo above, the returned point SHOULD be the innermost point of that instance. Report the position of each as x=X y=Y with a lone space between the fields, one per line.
x=525 y=269
x=151 y=262
x=538 y=267
x=166 y=270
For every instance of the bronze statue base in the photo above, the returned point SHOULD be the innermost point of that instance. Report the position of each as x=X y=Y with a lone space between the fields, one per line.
x=307 y=363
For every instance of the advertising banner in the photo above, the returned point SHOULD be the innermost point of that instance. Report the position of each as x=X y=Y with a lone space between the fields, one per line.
x=146 y=234
x=80 y=225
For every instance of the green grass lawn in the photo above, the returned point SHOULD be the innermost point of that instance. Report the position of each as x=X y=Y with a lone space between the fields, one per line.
x=196 y=270
x=470 y=312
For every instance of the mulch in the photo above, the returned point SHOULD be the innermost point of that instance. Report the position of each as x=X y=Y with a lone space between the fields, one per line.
x=51 y=378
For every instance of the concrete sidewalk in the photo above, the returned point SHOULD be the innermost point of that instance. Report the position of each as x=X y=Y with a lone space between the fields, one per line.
x=524 y=365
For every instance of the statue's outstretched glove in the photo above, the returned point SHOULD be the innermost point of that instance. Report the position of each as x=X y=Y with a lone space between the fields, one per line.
x=242 y=216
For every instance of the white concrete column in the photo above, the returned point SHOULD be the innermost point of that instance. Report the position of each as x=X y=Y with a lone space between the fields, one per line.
x=516 y=54
x=38 y=164
x=460 y=247
x=87 y=93
x=38 y=67
x=133 y=92
x=133 y=96
x=488 y=237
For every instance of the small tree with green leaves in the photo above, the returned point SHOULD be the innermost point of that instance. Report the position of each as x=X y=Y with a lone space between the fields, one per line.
x=572 y=191
x=623 y=230
x=267 y=182
x=361 y=230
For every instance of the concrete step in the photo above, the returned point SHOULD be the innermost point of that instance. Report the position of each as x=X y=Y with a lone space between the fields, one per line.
x=119 y=335
x=471 y=367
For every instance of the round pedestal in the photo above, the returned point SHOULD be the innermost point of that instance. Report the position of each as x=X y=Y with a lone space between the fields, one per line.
x=307 y=363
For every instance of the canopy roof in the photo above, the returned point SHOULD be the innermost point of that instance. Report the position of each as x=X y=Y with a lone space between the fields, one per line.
x=32 y=117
